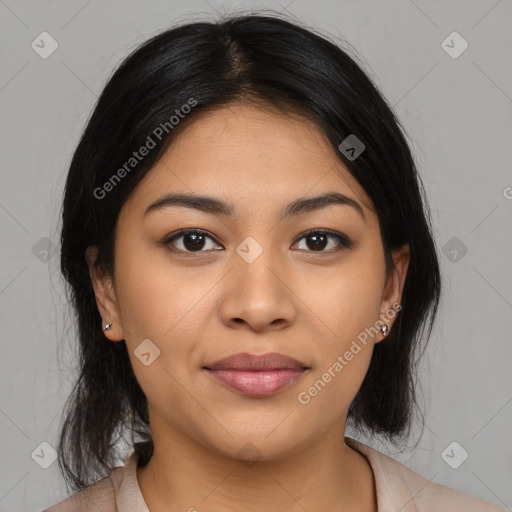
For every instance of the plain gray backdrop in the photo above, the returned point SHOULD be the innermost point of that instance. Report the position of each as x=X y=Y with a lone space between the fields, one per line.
x=456 y=106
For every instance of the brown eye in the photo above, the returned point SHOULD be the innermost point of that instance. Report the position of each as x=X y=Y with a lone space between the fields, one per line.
x=190 y=241
x=197 y=241
x=317 y=241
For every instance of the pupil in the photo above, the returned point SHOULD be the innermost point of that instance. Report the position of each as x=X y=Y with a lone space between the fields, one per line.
x=316 y=245
x=193 y=241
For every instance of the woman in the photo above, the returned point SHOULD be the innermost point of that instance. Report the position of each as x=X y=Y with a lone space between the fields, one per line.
x=251 y=261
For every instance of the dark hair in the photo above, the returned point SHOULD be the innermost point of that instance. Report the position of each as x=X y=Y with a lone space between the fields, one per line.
x=273 y=63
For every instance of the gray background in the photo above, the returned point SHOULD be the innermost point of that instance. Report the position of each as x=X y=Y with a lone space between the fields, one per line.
x=457 y=113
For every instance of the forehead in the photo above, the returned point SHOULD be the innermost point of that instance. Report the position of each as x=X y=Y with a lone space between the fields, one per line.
x=249 y=154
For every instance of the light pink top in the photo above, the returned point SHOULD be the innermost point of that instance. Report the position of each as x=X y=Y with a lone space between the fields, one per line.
x=398 y=489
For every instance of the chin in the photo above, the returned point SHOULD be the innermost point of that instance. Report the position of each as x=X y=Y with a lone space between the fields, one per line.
x=257 y=442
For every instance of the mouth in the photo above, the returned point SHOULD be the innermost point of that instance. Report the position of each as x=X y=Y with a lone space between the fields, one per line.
x=256 y=375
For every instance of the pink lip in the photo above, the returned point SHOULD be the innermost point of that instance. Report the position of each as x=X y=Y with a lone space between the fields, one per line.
x=256 y=375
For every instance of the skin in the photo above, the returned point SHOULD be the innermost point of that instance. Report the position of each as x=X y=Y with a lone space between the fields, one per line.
x=198 y=307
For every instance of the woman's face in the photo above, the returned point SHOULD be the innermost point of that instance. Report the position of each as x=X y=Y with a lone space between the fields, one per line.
x=251 y=281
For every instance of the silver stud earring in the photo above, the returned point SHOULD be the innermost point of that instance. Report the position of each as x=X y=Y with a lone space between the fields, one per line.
x=107 y=327
x=384 y=329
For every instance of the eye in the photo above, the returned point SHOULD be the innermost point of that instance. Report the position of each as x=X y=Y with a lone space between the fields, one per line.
x=318 y=240
x=192 y=240
x=196 y=240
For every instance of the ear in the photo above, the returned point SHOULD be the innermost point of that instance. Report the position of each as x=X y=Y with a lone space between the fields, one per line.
x=105 y=296
x=392 y=294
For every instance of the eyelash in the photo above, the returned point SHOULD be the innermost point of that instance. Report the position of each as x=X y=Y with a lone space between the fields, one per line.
x=344 y=241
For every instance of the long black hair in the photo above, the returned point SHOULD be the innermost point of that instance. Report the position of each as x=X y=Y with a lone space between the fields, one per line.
x=182 y=72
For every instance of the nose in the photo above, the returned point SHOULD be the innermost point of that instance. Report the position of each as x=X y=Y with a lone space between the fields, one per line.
x=258 y=296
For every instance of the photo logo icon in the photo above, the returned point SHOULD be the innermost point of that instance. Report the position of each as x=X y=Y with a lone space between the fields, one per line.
x=351 y=147
x=454 y=45
x=44 y=45
x=454 y=455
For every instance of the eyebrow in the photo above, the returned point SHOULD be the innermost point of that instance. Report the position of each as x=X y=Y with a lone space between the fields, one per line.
x=216 y=206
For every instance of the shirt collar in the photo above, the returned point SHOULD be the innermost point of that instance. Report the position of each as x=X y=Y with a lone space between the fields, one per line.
x=127 y=491
x=395 y=484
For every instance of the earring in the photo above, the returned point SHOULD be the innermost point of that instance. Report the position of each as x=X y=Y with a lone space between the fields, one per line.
x=107 y=327
x=384 y=329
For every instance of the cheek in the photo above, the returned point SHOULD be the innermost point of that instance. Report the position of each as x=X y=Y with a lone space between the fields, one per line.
x=165 y=303
x=350 y=299
x=343 y=360
x=349 y=304
x=162 y=304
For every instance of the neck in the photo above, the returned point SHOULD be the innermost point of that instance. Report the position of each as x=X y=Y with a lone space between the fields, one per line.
x=326 y=475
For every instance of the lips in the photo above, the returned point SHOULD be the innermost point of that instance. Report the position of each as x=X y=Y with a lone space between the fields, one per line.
x=257 y=363
x=256 y=375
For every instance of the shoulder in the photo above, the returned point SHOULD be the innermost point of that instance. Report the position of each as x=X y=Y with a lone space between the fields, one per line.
x=400 y=488
x=118 y=492
x=98 y=496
